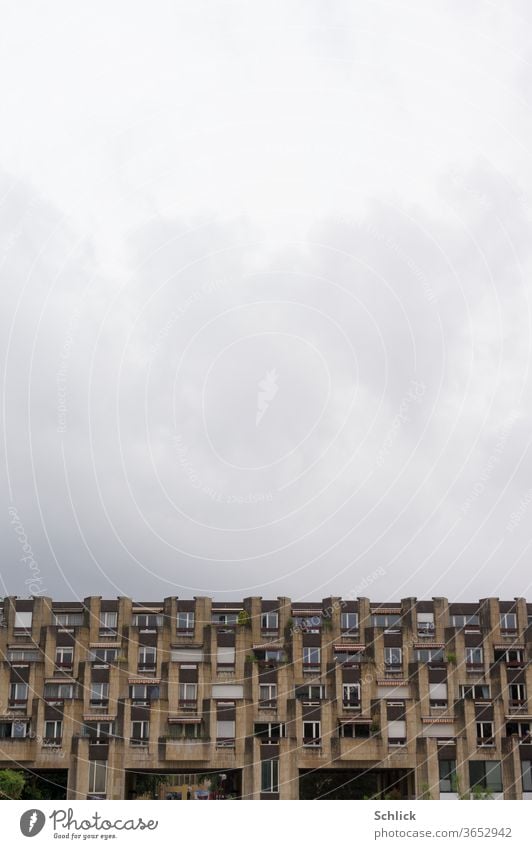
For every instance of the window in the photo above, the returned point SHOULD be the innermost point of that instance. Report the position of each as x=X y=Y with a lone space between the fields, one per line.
x=311 y=692
x=474 y=656
x=64 y=656
x=391 y=622
x=517 y=694
x=485 y=775
x=520 y=729
x=225 y=733
x=147 y=658
x=188 y=695
x=512 y=657
x=267 y=695
x=447 y=776
x=98 y=731
x=23 y=621
x=99 y=693
x=508 y=622
x=225 y=658
x=396 y=732
x=312 y=733
x=470 y=621
x=269 y=780
x=425 y=624
x=143 y=693
x=11 y=730
x=18 y=693
x=526 y=775
x=229 y=619
x=438 y=694
x=429 y=656
x=68 y=620
x=185 y=731
x=108 y=621
x=348 y=658
x=97 y=777
x=307 y=624
x=140 y=731
x=475 y=691
x=185 y=620
x=147 y=622
x=351 y=695
x=311 y=658
x=393 y=657
x=103 y=657
x=349 y=621
x=58 y=692
x=53 y=732
x=354 y=729
x=269 y=732
x=485 y=734
x=23 y=656
x=269 y=621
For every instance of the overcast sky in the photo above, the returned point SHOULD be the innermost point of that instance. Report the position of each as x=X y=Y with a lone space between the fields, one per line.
x=265 y=320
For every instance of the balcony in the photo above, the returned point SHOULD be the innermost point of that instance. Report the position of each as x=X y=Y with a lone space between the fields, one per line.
x=312 y=742
x=139 y=742
x=311 y=668
x=17 y=749
x=188 y=704
x=268 y=704
x=351 y=704
x=99 y=703
x=144 y=668
x=52 y=742
x=225 y=742
x=357 y=748
x=518 y=706
x=184 y=749
x=485 y=742
x=17 y=704
x=396 y=742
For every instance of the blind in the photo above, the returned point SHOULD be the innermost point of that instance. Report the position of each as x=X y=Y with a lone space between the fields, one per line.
x=228 y=691
x=23 y=620
x=438 y=691
x=425 y=618
x=439 y=729
x=397 y=728
x=225 y=654
x=187 y=655
x=393 y=692
x=225 y=728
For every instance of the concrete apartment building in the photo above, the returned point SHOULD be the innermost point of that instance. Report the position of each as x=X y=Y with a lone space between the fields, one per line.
x=273 y=699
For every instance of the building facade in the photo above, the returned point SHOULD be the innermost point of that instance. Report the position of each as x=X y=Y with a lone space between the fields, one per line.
x=341 y=698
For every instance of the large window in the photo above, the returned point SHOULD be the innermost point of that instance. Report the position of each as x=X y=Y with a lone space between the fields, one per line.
x=526 y=774
x=99 y=732
x=351 y=695
x=311 y=692
x=147 y=622
x=485 y=734
x=447 y=776
x=97 y=778
x=64 y=656
x=469 y=621
x=103 y=657
x=474 y=656
x=485 y=775
x=308 y=624
x=99 y=693
x=140 y=731
x=269 y=621
x=393 y=657
x=311 y=657
x=147 y=658
x=14 y=729
x=425 y=624
x=53 y=732
x=18 y=693
x=391 y=622
x=58 y=692
x=108 y=620
x=508 y=622
x=269 y=782
x=188 y=695
x=143 y=693
x=69 y=620
x=349 y=621
x=312 y=733
x=429 y=656
x=23 y=656
x=478 y=692
x=185 y=620
x=267 y=695
x=269 y=732
x=517 y=694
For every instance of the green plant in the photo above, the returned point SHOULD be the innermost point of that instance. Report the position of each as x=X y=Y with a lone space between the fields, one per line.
x=12 y=783
x=251 y=658
x=451 y=657
x=375 y=726
x=244 y=619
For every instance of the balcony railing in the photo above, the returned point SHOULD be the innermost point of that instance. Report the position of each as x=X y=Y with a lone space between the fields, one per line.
x=396 y=741
x=267 y=704
x=188 y=704
x=52 y=742
x=147 y=667
x=17 y=704
x=483 y=742
x=225 y=742
x=139 y=741
x=99 y=703
x=312 y=742
x=351 y=704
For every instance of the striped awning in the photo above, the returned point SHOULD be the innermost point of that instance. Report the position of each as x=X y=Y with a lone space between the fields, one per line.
x=348 y=647
x=510 y=647
x=429 y=645
x=307 y=611
x=99 y=717
x=396 y=611
x=11 y=717
x=267 y=646
x=184 y=720
x=105 y=645
x=438 y=720
x=144 y=680
x=354 y=720
x=392 y=682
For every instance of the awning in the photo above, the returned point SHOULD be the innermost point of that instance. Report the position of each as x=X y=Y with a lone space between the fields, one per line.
x=144 y=680
x=268 y=646
x=307 y=611
x=11 y=717
x=438 y=720
x=354 y=720
x=392 y=682
x=377 y=611
x=510 y=647
x=105 y=645
x=185 y=720
x=427 y=645
x=99 y=717
x=348 y=647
